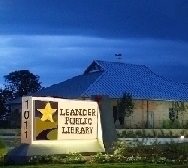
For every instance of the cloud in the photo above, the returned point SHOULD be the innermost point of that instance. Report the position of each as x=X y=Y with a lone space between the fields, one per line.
x=100 y=18
x=57 y=58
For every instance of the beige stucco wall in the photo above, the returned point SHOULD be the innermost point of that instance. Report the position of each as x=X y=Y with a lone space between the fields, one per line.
x=139 y=117
x=160 y=110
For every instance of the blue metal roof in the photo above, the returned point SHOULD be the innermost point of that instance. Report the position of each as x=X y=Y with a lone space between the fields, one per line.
x=71 y=88
x=115 y=78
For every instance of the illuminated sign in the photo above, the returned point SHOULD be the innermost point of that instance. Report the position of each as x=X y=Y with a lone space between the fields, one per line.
x=53 y=120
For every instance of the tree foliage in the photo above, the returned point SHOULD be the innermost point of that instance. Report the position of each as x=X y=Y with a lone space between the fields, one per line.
x=177 y=108
x=125 y=105
x=22 y=82
x=5 y=95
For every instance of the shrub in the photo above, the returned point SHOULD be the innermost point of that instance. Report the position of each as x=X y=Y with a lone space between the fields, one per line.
x=68 y=159
x=130 y=134
x=124 y=134
x=119 y=151
x=139 y=134
x=185 y=126
x=119 y=148
x=101 y=158
x=168 y=124
x=175 y=151
x=154 y=133
x=143 y=133
x=3 y=150
x=117 y=155
x=44 y=159
x=148 y=151
x=162 y=133
x=119 y=135
x=74 y=158
x=154 y=153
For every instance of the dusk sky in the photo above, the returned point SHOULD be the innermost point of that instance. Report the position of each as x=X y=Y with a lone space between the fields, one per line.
x=58 y=39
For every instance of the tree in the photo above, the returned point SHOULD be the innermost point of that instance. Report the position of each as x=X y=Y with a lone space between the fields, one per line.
x=5 y=95
x=2 y=102
x=125 y=107
x=22 y=82
x=174 y=112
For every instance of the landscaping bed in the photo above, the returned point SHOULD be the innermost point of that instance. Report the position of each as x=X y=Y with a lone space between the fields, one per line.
x=165 y=154
x=122 y=154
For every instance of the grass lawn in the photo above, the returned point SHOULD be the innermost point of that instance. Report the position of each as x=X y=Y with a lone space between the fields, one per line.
x=113 y=165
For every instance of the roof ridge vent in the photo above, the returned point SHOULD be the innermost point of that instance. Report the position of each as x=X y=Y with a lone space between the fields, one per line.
x=94 y=67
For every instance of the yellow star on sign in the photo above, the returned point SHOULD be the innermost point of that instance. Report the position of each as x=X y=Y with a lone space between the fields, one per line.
x=47 y=112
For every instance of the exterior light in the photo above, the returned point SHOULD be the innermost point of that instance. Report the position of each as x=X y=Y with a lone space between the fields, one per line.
x=182 y=137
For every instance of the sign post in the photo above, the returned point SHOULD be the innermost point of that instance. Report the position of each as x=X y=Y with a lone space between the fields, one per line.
x=26 y=122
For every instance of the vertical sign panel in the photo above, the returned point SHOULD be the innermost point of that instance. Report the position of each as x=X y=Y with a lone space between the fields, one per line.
x=26 y=124
x=45 y=121
x=77 y=120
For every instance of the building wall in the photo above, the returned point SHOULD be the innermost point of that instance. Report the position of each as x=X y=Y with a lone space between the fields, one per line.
x=139 y=118
x=151 y=114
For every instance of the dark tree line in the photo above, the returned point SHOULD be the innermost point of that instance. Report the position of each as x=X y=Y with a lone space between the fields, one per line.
x=4 y=97
x=17 y=84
